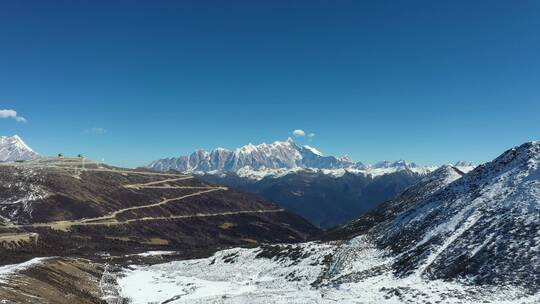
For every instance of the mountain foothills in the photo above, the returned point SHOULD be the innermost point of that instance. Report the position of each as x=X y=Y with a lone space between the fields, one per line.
x=453 y=237
x=326 y=190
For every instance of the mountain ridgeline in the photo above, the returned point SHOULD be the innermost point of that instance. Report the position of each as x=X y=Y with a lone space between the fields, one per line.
x=278 y=155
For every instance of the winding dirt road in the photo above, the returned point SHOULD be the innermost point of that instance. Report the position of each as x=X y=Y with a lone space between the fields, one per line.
x=110 y=218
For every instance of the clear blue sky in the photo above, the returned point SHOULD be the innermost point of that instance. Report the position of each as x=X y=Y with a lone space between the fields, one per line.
x=132 y=81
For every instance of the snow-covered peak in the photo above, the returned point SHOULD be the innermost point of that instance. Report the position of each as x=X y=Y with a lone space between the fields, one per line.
x=279 y=155
x=313 y=150
x=345 y=158
x=220 y=150
x=13 y=148
x=249 y=148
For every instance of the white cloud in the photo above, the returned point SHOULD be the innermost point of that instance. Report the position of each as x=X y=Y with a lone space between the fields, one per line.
x=11 y=114
x=311 y=135
x=299 y=132
x=94 y=130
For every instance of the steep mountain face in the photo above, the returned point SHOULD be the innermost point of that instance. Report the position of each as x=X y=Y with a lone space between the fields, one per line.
x=324 y=200
x=390 y=209
x=74 y=205
x=13 y=148
x=484 y=226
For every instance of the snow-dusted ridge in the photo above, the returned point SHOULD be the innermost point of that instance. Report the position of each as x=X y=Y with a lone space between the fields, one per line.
x=281 y=158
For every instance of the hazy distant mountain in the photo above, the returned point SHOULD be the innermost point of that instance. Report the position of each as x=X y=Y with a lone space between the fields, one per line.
x=13 y=148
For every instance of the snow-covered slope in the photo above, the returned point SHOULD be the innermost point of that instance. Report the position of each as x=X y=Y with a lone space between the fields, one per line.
x=352 y=272
x=389 y=210
x=13 y=148
x=281 y=158
x=484 y=226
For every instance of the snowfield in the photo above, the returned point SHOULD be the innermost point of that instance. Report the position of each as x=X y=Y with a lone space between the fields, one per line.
x=305 y=273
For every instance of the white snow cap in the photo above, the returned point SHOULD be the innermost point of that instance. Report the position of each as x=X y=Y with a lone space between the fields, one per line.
x=315 y=151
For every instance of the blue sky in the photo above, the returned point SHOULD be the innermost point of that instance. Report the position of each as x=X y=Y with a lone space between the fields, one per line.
x=132 y=81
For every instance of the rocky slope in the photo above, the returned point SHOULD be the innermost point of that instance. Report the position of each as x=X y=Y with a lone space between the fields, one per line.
x=390 y=209
x=483 y=226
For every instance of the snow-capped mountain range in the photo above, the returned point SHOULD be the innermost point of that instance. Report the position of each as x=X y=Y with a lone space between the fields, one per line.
x=281 y=158
x=13 y=148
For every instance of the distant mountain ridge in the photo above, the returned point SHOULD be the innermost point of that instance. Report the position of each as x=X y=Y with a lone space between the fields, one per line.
x=277 y=155
x=13 y=148
x=280 y=158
